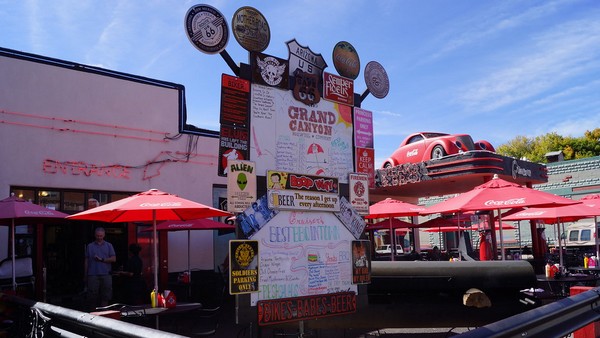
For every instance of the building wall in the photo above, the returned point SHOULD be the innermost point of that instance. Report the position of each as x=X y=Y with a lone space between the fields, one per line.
x=70 y=126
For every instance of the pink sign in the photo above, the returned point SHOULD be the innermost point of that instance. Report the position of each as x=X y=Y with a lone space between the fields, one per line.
x=363 y=128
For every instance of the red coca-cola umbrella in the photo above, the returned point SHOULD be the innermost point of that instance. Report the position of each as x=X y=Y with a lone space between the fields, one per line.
x=14 y=211
x=194 y=224
x=498 y=194
x=567 y=213
x=556 y=215
x=593 y=201
x=150 y=206
x=385 y=225
x=474 y=227
x=390 y=208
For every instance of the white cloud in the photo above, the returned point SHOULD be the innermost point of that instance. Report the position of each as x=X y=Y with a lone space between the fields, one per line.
x=558 y=55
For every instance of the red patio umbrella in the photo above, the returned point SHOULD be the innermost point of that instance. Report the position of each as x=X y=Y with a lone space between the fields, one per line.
x=474 y=227
x=385 y=225
x=498 y=194
x=556 y=215
x=14 y=210
x=389 y=208
x=593 y=200
x=195 y=224
x=150 y=206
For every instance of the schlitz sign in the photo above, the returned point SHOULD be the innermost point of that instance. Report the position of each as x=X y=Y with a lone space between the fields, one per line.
x=275 y=311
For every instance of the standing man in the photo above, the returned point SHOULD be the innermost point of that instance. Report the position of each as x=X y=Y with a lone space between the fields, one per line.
x=99 y=256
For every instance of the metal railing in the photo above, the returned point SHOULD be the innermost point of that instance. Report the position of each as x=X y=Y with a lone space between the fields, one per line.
x=37 y=319
x=556 y=319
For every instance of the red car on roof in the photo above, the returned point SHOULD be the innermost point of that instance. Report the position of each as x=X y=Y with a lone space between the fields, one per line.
x=425 y=146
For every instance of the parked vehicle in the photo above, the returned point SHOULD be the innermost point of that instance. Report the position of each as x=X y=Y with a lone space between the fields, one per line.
x=387 y=249
x=425 y=146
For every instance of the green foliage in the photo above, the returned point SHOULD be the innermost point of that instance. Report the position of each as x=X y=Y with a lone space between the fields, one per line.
x=535 y=149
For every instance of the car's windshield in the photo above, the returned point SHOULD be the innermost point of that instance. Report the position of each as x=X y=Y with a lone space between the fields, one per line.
x=430 y=135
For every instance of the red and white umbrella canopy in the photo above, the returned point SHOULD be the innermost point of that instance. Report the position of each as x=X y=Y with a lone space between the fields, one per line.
x=591 y=200
x=385 y=225
x=13 y=208
x=14 y=211
x=390 y=207
x=567 y=213
x=195 y=224
x=150 y=206
x=498 y=194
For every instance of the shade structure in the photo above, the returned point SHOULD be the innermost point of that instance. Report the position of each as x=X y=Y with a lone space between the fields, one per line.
x=150 y=206
x=498 y=194
x=556 y=215
x=14 y=211
x=389 y=208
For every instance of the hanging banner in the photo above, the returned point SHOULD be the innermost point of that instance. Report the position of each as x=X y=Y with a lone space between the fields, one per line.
x=241 y=185
x=359 y=192
x=361 y=262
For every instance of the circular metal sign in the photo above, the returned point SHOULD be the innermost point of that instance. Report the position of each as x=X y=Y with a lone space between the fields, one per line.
x=345 y=60
x=207 y=29
x=251 y=29
x=377 y=80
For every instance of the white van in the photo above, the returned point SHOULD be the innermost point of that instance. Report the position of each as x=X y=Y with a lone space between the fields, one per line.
x=580 y=233
x=387 y=248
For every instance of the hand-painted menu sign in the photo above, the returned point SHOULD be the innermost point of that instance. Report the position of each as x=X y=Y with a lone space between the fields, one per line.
x=304 y=308
x=303 y=254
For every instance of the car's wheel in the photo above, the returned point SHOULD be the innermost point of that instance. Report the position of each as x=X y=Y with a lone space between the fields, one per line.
x=387 y=165
x=438 y=152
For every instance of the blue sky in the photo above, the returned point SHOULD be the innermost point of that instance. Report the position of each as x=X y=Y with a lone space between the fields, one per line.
x=492 y=69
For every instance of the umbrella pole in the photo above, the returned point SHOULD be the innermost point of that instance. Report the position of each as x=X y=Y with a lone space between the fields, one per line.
x=392 y=241
x=14 y=270
x=155 y=253
x=596 y=237
x=492 y=223
x=560 y=251
x=189 y=270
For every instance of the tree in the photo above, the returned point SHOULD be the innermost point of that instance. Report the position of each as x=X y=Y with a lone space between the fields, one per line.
x=535 y=149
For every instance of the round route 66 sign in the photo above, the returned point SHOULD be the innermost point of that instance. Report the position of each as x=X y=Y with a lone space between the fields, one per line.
x=206 y=29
